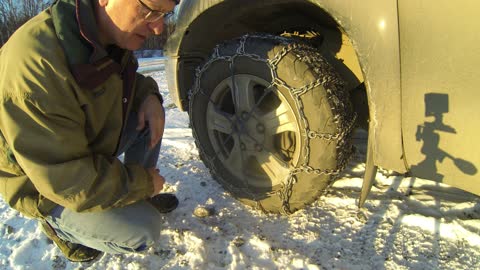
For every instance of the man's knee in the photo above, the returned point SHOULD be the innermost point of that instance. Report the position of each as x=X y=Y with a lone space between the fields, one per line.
x=149 y=235
x=146 y=228
x=141 y=235
x=143 y=241
x=120 y=230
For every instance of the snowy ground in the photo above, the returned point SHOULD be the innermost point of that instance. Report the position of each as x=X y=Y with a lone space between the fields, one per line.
x=407 y=223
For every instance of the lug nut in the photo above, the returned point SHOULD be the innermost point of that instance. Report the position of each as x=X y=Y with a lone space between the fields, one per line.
x=260 y=128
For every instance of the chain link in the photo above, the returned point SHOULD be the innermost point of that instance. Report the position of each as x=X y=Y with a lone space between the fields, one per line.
x=336 y=95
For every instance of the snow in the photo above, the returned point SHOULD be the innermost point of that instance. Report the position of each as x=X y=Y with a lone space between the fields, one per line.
x=407 y=223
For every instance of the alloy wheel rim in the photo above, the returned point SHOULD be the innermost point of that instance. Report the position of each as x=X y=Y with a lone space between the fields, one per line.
x=253 y=130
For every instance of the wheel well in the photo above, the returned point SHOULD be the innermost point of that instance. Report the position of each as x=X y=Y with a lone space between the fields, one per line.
x=230 y=19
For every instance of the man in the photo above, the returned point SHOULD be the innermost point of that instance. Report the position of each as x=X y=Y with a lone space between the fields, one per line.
x=70 y=103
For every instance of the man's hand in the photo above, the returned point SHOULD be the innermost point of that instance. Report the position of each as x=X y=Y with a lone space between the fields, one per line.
x=151 y=111
x=157 y=179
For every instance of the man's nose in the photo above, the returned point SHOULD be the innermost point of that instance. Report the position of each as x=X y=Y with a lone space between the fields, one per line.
x=156 y=27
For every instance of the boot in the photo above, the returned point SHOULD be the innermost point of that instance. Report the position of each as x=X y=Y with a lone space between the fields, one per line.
x=73 y=252
x=165 y=202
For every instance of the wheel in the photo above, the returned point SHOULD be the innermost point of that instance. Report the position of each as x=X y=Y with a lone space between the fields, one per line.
x=271 y=120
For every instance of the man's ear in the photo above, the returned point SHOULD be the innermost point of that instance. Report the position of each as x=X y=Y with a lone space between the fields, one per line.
x=102 y=3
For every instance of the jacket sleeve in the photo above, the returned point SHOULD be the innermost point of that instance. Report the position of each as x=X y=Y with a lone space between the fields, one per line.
x=145 y=86
x=45 y=128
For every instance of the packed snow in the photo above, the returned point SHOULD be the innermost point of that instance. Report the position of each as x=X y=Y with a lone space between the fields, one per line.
x=406 y=223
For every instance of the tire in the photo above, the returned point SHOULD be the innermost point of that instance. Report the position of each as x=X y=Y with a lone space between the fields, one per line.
x=271 y=120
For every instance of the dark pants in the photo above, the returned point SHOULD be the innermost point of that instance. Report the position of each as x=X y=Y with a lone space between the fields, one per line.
x=120 y=230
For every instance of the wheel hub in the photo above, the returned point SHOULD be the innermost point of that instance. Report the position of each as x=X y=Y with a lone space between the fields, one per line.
x=250 y=131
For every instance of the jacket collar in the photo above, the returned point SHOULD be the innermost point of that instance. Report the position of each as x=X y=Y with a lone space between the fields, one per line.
x=77 y=31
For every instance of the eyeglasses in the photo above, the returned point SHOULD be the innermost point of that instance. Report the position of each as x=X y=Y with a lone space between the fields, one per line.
x=151 y=15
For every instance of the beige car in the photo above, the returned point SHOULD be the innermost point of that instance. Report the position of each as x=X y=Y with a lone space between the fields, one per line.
x=275 y=89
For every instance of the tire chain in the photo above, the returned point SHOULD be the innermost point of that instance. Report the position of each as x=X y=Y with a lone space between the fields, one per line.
x=336 y=95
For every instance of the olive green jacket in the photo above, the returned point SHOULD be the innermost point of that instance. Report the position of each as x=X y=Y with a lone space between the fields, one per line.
x=63 y=102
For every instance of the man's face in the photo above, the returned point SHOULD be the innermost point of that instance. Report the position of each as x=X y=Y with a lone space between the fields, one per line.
x=124 y=22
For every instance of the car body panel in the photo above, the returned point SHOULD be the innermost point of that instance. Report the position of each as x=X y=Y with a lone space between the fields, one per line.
x=373 y=28
x=440 y=90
